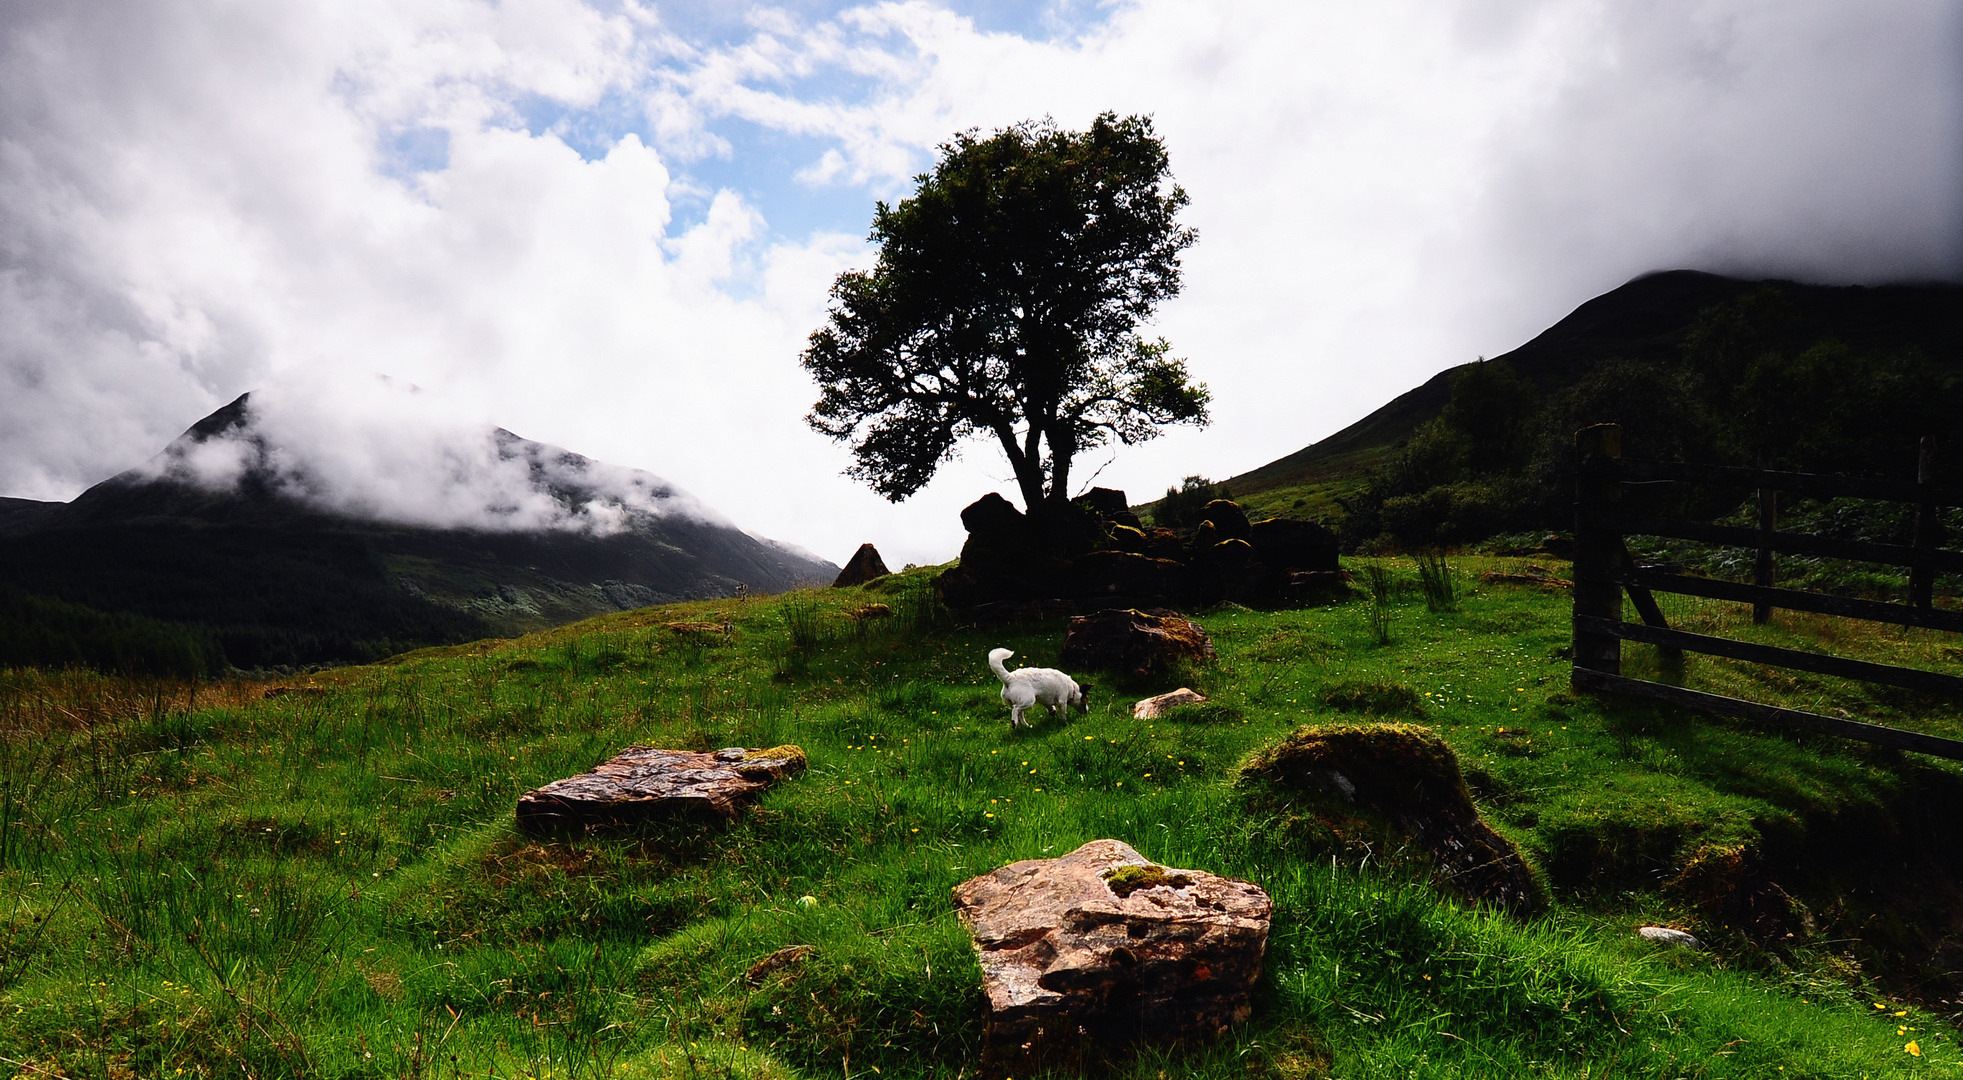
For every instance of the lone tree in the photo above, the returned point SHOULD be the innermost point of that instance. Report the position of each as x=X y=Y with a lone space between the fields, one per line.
x=1006 y=303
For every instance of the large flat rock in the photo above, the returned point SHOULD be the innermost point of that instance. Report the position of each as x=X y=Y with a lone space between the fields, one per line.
x=1101 y=947
x=642 y=784
x=1138 y=643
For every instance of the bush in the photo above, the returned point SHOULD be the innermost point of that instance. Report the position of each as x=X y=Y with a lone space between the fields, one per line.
x=1182 y=506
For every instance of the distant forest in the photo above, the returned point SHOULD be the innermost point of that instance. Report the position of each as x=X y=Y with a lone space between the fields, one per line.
x=37 y=631
x=1753 y=383
x=260 y=598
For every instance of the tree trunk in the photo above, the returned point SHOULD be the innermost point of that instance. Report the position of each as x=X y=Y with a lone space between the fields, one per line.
x=1028 y=469
x=1061 y=451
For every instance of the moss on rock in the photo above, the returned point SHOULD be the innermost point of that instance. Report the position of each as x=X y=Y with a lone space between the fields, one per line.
x=1128 y=879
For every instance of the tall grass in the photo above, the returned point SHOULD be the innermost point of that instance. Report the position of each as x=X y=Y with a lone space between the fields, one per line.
x=1435 y=580
x=1382 y=585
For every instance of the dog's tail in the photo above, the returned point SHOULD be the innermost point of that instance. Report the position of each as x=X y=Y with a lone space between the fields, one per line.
x=995 y=658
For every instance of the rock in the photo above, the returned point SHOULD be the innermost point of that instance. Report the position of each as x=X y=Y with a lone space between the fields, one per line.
x=640 y=784
x=1154 y=707
x=1104 y=502
x=1230 y=570
x=1407 y=776
x=1134 y=642
x=1007 y=556
x=1102 y=948
x=993 y=517
x=1228 y=520
x=1125 y=574
x=1664 y=935
x=1288 y=544
x=696 y=628
x=1127 y=538
x=1164 y=544
x=865 y=565
x=1110 y=506
x=1095 y=547
x=777 y=961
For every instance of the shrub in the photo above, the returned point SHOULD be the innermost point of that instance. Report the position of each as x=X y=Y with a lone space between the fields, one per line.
x=1182 y=506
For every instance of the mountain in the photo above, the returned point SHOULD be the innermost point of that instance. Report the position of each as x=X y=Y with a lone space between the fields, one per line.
x=262 y=540
x=1645 y=322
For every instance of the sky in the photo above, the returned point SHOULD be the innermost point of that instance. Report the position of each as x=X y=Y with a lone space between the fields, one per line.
x=611 y=226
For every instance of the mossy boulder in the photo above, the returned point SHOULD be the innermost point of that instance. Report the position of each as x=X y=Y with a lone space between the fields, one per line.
x=1405 y=778
x=1228 y=520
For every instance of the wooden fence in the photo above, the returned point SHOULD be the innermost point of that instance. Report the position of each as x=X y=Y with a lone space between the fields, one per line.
x=1603 y=570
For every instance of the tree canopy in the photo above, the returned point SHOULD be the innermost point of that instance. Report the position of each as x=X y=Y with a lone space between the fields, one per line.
x=1006 y=303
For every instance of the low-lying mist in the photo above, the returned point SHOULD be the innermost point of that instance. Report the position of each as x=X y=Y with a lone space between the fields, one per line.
x=378 y=449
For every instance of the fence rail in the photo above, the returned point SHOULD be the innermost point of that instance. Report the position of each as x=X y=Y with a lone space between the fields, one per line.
x=1604 y=571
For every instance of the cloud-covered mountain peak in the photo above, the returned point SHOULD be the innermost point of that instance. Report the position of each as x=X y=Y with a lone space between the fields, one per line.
x=392 y=458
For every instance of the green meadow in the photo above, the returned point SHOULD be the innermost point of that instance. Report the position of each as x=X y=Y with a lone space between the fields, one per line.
x=320 y=877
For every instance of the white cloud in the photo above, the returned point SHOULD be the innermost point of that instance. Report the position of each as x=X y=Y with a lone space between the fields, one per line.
x=375 y=448
x=199 y=199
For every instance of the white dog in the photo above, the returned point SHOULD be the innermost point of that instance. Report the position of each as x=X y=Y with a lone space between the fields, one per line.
x=1031 y=686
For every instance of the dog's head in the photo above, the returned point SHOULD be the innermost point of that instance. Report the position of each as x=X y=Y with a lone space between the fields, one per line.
x=1082 y=699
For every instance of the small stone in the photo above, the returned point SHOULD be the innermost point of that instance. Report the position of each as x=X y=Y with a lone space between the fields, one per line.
x=1154 y=707
x=1102 y=947
x=696 y=628
x=775 y=962
x=641 y=784
x=1664 y=935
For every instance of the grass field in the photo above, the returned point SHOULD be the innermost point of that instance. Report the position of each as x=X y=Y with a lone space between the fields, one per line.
x=212 y=881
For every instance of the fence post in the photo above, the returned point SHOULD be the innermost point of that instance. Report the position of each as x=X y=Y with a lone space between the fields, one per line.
x=1762 y=569
x=1928 y=529
x=1597 y=548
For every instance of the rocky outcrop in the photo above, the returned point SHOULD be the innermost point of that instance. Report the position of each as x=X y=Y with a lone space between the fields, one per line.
x=865 y=565
x=1135 y=643
x=1094 y=553
x=1407 y=778
x=1102 y=948
x=640 y=785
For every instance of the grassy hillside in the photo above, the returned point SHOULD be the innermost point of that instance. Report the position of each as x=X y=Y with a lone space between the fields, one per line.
x=1692 y=363
x=323 y=879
